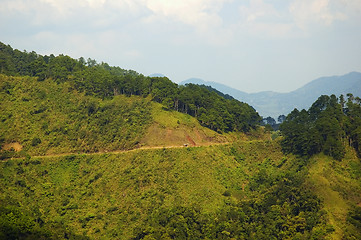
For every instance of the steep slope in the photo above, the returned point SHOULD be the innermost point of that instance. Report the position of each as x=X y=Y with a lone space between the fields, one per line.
x=337 y=184
x=274 y=104
x=328 y=136
x=47 y=118
x=171 y=128
x=105 y=82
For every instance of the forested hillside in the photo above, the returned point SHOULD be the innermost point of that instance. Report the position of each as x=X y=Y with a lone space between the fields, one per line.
x=105 y=82
x=328 y=126
x=90 y=151
x=42 y=118
x=245 y=190
x=331 y=126
x=45 y=117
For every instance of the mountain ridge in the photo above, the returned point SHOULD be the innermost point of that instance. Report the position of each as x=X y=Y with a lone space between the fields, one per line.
x=270 y=103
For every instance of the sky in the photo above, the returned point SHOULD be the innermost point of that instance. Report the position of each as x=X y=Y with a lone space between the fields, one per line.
x=250 y=45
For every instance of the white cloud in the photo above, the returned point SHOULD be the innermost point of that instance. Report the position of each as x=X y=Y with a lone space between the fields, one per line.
x=258 y=10
x=320 y=12
x=201 y=14
x=353 y=5
x=297 y=17
x=199 y=21
x=96 y=3
x=43 y=12
x=264 y=20
x=187 y=21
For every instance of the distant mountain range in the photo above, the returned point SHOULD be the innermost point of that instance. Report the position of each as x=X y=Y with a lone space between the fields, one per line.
x=156 y=75
x=273 y=104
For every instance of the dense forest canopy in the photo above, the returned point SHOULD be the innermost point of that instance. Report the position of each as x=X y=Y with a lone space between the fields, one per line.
x=104 y=81
x=328 y=126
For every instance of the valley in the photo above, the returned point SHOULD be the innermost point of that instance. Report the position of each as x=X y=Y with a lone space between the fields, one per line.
x=274 y=104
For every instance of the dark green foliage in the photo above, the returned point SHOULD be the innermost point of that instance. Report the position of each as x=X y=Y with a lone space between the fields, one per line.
x=36 y=141
x=279 y=209
x=19 y=223
x=226 y=96
x=15 y=224
x=326 y=127
x=216 y=112
x=270 y=124
x=269 y=121
x=213 y=109
x=354 y=218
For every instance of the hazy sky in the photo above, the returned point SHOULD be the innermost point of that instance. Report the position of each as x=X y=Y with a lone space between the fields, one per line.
x=251 y=45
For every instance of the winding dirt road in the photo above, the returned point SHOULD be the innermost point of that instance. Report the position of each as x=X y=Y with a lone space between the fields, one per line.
x=120 y=151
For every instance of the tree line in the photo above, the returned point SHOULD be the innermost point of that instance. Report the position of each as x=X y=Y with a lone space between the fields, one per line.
x=328 y=126
x=210 y=107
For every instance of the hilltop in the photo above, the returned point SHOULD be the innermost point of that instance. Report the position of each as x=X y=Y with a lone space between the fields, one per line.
x=105 y=82
x=42 y=118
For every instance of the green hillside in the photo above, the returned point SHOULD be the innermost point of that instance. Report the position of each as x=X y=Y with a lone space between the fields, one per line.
x=90 y=151
x=46 y=118
x=103 y=81
x=337 y=184
x=242 y=190
x=42 y=118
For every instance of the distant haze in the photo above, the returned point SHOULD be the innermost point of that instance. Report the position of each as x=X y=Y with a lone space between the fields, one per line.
x=250 y=45
x=156 y=75
x=274 y=104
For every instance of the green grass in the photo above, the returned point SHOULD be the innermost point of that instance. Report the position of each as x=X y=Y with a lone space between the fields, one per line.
x=171 y=128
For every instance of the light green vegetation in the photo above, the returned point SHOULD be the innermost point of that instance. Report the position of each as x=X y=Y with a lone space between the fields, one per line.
x=171 y=128
x=126 y=195
x=338 y=185
x=90 y=151
x=46 y=118
x=104 y=81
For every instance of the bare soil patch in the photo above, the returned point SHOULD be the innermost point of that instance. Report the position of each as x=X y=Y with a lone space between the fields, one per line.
x=15 y=146
x=190 y=140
